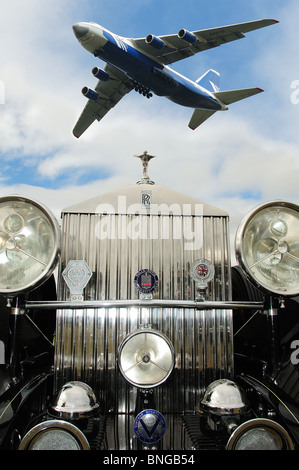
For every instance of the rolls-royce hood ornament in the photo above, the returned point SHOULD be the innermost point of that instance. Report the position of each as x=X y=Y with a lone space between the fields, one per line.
x=145 y=158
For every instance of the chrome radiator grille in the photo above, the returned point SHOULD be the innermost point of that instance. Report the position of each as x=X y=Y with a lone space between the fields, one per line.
x=115 y=261
x=87 y=350
x=87 y=340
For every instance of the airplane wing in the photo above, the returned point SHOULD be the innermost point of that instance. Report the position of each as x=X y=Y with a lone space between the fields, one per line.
x=176 y=48
x=110 y=93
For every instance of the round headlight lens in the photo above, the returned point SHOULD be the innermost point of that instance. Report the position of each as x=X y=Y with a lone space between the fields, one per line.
x=29 y=244
x=267 y=247
x=146 y=358
x=260 y=434
x=54 y=435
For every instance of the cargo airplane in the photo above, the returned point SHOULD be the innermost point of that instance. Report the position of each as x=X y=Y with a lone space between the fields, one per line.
x=143 y=65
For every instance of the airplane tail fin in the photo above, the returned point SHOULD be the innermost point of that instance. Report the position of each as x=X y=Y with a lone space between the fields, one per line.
x=210 y=80
x=225 y=98
x=228 y=97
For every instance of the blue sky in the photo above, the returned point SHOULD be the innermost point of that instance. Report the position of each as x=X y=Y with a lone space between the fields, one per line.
x=234 y=161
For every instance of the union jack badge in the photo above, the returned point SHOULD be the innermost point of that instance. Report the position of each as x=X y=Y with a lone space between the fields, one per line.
x=202 y=271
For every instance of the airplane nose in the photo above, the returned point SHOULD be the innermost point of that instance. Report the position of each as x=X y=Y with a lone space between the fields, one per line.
x=79 y=30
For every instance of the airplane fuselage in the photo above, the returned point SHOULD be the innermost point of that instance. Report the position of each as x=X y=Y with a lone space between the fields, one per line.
x=143 y=69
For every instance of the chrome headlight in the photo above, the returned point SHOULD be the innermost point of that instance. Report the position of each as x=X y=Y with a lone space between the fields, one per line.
x=260 y=434
x=146 y=358
x=267 y=247
x=29 y=245
x=54 y=435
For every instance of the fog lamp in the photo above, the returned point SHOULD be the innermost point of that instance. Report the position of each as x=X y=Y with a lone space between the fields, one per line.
x=29 y=245
x=224 y=397
x=146 y=358
x=260 y=434
x=267 y=247
x=75 y=400
x=54 y=435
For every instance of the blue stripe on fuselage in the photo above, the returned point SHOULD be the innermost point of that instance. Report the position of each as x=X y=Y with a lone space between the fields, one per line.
x=140 y=67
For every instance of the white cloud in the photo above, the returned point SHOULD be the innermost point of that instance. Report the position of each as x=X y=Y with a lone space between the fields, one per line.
x=233 y=161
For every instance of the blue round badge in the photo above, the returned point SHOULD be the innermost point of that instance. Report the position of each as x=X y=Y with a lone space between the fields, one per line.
x=149 y=426
x=146 y=281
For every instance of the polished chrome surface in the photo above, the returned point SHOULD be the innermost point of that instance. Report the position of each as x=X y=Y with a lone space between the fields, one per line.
x=260 y=434
x=224 y=397
x=146 y=358
x=148 y=303
x=267 y=247
x=75 y=400
x=29 y=245
x=88 y=339
x=54 y=435
x=145 y=159
x=126 y=201
x=76 y=276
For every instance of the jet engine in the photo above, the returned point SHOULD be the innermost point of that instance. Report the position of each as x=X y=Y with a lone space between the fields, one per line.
x=100 y=74
x=90 y=94
x=187 y=36
x=155 y=42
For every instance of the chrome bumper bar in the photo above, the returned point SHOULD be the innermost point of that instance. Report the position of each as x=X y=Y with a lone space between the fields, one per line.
x=92 y=304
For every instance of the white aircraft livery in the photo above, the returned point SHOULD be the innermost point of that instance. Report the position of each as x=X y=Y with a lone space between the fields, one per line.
x=143 y=65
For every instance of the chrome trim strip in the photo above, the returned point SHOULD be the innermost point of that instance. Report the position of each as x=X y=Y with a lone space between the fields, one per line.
x=92 y=304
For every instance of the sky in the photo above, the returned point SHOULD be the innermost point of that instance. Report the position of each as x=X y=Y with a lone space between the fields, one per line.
x=236 y=160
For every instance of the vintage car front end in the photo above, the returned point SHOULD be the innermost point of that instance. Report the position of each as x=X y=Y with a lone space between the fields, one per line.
x=158 y=343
